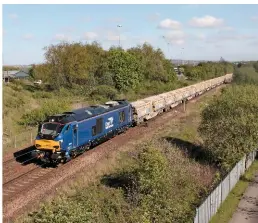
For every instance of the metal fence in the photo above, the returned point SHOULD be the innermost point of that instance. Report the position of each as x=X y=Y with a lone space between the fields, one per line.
x=13 y=141
x=209 y=207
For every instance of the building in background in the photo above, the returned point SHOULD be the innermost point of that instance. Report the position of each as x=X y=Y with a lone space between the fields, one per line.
x=14 y=74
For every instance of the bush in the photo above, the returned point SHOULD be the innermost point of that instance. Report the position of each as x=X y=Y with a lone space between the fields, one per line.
x=245 y=75
x=229 y=125
x=104 y=91
x=49 y=107
x=42 y=94
x=155 y=185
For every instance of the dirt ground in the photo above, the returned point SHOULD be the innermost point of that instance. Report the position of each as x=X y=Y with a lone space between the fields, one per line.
x=247 y=210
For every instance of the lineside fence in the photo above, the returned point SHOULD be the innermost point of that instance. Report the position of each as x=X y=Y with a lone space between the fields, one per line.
x=210 y=206
x=20 y=141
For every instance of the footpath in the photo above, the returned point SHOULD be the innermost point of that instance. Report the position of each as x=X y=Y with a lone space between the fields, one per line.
x=247 y=210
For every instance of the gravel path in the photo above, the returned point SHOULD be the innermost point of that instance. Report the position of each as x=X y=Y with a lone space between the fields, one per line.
x=247 y=210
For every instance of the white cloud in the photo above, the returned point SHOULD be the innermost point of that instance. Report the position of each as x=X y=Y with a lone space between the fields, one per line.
x=61 y=37
x=90 y=36
x=169 y=24
x=200 y=36
x=227 y=28
x=28 y=36
x=154 y=17
x=175 y=37
x=254 y=18
x=206 y=22
x=13 y=16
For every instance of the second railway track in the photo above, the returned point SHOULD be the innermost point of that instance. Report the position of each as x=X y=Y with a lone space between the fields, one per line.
x=21 y=182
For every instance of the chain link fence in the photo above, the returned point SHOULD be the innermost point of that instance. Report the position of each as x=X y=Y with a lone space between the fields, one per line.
x=209 y=207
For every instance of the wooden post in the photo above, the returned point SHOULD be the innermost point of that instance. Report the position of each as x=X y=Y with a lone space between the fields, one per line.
x=30 y=137
x=15 y=142
x=184 y=106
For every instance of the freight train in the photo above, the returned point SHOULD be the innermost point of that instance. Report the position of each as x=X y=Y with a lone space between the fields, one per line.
x=64 y=136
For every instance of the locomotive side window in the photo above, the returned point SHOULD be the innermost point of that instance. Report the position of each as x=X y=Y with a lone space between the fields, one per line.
x=121 y=116
x=93 y=130
x=67 y=128
x=74 y=129
x=99 y=125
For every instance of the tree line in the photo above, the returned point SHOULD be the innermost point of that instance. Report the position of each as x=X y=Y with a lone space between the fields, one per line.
x=71 y=65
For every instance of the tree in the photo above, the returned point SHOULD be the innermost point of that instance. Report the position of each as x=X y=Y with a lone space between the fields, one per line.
x=153 y=63
x=229 y=125
x=126 y=69
x=256 y=66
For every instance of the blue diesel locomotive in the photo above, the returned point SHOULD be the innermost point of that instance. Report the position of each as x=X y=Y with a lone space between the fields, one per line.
x=64 y=136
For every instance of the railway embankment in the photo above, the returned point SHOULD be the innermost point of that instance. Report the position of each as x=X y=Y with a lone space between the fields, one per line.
x=102 y=176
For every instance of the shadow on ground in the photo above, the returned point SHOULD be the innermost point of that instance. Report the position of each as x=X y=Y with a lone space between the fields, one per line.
x=192 y=150
x=24 y=156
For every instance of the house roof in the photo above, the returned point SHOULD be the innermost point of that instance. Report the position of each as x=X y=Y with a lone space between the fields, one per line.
x=14 y=74
x=21 y=74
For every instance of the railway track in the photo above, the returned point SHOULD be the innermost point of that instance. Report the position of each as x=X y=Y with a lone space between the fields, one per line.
x=25 y=184
x=20 y=183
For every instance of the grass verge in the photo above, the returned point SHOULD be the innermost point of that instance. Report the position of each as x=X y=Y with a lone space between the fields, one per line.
x=229 y=206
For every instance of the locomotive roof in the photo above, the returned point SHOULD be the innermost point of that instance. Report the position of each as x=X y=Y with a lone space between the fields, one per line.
x=87 y=112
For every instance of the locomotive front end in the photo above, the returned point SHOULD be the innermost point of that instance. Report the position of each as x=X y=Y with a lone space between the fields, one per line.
x=49 y=143
x=47 y=150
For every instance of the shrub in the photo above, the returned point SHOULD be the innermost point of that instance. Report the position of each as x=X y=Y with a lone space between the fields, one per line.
x=42 y=94
x=229 y=125
x=49 y=107
x=104 y=91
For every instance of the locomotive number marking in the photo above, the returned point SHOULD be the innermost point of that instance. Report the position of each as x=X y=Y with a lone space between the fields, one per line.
x=109 y=123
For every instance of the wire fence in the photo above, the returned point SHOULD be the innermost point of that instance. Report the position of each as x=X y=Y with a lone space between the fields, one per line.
x=16 y=141
x=210 y=206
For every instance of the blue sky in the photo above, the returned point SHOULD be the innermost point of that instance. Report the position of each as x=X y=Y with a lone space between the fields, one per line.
x=181 y=31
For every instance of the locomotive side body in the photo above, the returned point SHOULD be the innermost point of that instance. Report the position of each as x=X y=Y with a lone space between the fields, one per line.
x=92 y=125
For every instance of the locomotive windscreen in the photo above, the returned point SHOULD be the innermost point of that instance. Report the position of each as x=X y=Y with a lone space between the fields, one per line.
x=51 y=128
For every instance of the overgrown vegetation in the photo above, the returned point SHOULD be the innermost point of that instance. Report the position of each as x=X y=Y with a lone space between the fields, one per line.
x=229 y=127
x=204 y=71
x=158 y=181
x=159 y=185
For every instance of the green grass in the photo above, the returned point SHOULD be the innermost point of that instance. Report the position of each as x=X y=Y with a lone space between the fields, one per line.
x=139 y=182
x=229 y=206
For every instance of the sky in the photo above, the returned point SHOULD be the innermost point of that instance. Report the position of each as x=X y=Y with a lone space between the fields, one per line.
x=190 y=32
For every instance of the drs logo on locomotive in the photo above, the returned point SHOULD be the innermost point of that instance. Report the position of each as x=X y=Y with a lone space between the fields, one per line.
x=109 y=123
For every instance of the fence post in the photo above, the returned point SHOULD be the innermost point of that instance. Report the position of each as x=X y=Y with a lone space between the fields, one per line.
x=184 y=105
x=30 y=137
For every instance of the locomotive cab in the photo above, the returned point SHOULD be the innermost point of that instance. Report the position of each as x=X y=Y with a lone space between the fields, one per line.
x=49 y=140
